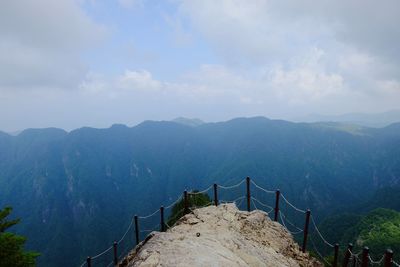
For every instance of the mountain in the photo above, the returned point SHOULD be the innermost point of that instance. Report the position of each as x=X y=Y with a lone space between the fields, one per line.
x=385 y=197
x=188 y=122
x=76 y=192
x=373 y=223
x=376 y=120
x=378 y=229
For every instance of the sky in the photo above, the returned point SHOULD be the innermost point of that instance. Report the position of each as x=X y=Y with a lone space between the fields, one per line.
x=74 y=63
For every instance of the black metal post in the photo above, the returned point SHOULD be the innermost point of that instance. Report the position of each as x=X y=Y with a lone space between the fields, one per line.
x=137 y=230
x=215 y=194
x=347 y=255
x=115 y=245
x=248 y=192
x=336 y=255
x=89 y=261
x=364 y=259
x=388 y=258
x=162 y=219
x=186 y=202
x=308 y=213
x=278 y=193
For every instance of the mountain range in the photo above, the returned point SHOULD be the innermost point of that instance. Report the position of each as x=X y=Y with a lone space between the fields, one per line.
x=378 y=120
x=77 y=191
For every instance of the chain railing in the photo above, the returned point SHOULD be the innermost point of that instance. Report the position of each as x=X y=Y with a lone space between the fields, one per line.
x=349 y=256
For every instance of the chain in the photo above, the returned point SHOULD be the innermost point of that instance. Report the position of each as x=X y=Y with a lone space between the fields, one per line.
x=232 y=186
x=319 y=233
x=319 y=254
x=150 y=230
x=201 y=192
x=293 y=206
x=102 y=253
x=261 y=188
x=173 y=218
x=127 y=230
x=292 y=224
x=263 y=204
x=148 y=216
x=172 y=204
x=283 y=222
x=375 y=262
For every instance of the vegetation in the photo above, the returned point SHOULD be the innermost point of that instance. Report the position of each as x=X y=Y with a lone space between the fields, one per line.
x=195 y=200
x=77 y=191
x=379 y=230
x=12 y=251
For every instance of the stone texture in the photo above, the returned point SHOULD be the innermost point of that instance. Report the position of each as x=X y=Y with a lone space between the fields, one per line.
x=221 y=236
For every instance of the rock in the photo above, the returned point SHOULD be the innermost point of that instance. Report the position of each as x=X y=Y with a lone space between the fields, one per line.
x=221 y=236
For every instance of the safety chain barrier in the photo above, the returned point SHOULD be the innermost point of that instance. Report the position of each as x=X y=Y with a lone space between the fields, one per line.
x=387 y=258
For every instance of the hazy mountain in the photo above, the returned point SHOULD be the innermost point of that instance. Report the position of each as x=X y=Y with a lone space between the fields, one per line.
x=188 y=122
x=76 y=192
x=379 y=229
x=369 y=120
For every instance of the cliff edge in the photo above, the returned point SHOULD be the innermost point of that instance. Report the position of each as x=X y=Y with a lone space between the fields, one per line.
x=221 y=236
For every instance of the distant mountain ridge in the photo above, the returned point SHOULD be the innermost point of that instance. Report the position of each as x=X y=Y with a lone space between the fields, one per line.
x=376 y=120
x=77 y=191
x=188 y=122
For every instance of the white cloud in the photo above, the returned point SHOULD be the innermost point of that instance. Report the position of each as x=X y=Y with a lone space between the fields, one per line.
x=307 y=81
x=41 y=43
x=138 y=80
x=240 y=58
x=266 y=29
x=354 y=47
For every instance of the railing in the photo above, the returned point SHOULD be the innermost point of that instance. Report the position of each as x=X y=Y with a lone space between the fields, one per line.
x=361 y=258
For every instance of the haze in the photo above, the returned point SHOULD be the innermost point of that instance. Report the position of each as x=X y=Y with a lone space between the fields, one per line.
x=69 y=63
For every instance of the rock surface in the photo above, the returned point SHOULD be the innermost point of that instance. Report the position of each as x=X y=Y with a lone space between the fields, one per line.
x=221 y=236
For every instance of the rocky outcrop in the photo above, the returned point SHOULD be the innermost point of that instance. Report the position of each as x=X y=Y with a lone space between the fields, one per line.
x=221 y=236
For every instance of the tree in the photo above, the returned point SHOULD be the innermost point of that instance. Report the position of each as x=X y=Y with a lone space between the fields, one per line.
x=12 y=251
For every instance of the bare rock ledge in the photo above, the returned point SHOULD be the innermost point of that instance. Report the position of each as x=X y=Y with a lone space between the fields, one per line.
x=221 y=236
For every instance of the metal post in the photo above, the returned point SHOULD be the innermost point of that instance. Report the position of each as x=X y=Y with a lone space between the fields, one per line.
x=137 y=230
x=347 y=255
x=162 y=219
x=89 y=261
x=308 y=212
x=248 y=192
x=388 y=258
x=278 y=193
x=186 y=202
x=364 y=259
x=336 y=255
x=115 y=253
x=215 y=194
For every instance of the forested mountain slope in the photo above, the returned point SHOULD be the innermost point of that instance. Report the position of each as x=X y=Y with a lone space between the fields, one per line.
x=76 y=192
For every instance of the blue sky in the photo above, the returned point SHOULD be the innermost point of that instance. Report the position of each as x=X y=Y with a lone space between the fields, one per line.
x=147 y=34
x=74 y=63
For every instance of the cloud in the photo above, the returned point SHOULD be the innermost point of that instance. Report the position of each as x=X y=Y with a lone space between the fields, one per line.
x=41 y=43
x=275 y=29
x=227 y=58
x=306 y=82
x=309 y=51
x=138 y=80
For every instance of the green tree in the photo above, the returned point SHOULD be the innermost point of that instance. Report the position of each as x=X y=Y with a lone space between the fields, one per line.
x=12 y=251
x=195 y=200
